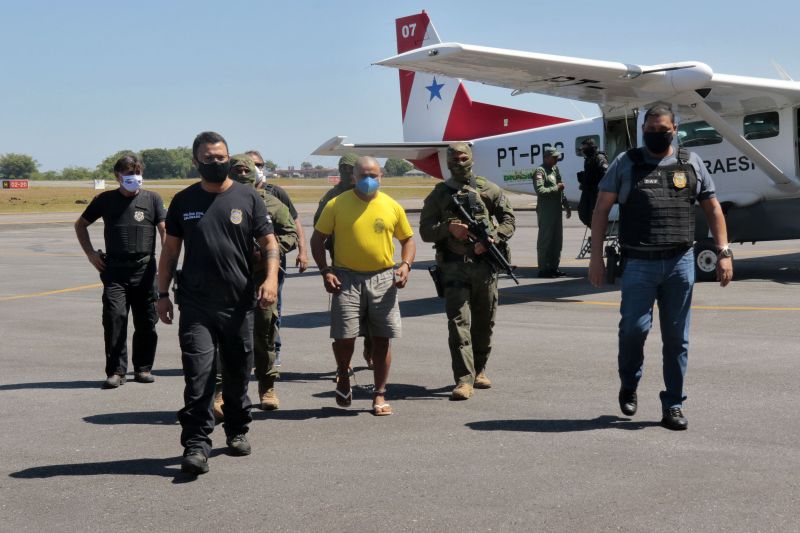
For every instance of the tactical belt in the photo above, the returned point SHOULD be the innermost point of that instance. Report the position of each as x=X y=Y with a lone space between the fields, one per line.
x=666 y=253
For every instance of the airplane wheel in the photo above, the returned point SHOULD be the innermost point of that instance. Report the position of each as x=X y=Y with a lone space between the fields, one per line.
x=705 y=261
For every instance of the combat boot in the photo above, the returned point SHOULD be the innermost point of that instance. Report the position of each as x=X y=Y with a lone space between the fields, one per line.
x=462 y=392
x=219 y=416
x=482 y=382
x=267 y=394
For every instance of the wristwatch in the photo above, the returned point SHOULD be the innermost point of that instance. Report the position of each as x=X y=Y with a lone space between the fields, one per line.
x=724 y=252
x=406 y=263
x=163 y=295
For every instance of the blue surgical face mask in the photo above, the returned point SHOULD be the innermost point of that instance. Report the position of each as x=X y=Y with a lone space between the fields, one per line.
x=368 y=185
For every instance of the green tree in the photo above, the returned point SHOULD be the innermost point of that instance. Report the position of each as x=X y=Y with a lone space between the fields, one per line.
x=305 y=165
x=78 y=173
x=49 y=175
x=18 y=166
x=105 y=170
x=270 y=165
x=162 y=163
x=318 y=167
x=397 y=167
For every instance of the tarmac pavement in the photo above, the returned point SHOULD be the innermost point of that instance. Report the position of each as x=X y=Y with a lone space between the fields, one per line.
x=546 y=449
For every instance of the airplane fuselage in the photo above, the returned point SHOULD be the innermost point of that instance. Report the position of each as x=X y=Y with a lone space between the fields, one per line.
x=756 y=209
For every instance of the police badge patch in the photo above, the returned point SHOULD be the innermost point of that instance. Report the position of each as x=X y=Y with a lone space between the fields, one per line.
x=679 y=180
x=138 y=216
x=236 y=216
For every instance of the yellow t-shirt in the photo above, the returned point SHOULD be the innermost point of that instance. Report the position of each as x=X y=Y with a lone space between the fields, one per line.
x=363 y=231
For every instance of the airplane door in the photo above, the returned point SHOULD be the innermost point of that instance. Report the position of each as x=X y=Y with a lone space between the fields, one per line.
x=620 y=135
x=797 y=141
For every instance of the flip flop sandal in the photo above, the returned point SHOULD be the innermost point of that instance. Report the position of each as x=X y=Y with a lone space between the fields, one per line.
x=381 y=409
x=343 y=399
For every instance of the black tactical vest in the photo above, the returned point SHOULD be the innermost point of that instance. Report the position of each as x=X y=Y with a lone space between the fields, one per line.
x=134 y=230
x=659 y=210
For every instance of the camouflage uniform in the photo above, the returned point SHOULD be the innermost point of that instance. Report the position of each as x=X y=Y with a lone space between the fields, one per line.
x=265 y=328
x=548 y=215
x=469 y=281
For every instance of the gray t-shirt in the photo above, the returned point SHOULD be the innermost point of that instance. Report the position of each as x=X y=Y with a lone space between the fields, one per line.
x=618 y=175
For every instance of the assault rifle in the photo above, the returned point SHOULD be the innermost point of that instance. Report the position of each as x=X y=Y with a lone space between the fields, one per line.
x=480 y=230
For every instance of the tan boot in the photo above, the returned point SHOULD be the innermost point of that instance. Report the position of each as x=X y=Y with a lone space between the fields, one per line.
x=462 y=392
x=482 y=382
x=269 y=398
x=218 y=414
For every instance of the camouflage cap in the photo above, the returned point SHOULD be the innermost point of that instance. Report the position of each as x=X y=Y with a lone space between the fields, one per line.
x=348 y=159
x=243 y=160
x=552 y=152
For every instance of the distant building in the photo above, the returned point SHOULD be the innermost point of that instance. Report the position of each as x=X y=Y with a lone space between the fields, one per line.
x=416 y=173
x=306 y=173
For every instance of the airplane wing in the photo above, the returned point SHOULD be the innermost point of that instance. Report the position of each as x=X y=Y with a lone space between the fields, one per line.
x=612 y=85
x=410 y=151
x=609 y=84
x=616 y=87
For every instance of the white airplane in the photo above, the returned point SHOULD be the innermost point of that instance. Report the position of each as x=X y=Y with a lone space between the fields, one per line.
x=746 y=130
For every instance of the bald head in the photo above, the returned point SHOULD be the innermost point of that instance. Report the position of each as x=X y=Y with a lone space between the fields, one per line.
x=366 y=166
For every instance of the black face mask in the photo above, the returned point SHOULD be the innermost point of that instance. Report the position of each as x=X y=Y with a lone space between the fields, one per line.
x=214 y=172
x=657 y=141
x=588 y=151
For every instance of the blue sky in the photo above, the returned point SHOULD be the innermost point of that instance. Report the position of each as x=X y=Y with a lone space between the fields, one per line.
x=83 y=79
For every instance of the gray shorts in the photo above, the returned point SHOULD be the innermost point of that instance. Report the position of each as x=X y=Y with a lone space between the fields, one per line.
x=366 y=305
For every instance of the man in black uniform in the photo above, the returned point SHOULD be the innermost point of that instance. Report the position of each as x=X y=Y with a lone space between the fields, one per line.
x=301 y=261
x=219 y=221
x=131 y=217
x=595 y=164
x=657 y=187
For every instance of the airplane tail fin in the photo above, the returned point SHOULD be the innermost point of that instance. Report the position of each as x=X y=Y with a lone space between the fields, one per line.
x=438 y=108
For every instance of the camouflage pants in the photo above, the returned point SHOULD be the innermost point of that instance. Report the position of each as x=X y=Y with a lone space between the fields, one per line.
x=551 y=234
x=470 y=292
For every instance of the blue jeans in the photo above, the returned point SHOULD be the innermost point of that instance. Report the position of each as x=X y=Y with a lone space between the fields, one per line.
x=670 y=283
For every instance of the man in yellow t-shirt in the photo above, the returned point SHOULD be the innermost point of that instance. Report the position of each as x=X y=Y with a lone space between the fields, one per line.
x=363 y=281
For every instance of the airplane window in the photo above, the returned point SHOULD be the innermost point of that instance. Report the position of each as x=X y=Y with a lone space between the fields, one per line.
x=697 y=134
x=579 y=140
x=761 y=125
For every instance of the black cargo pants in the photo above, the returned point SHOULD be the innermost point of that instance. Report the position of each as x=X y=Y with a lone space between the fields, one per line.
x=202 y=332
x=129 y=285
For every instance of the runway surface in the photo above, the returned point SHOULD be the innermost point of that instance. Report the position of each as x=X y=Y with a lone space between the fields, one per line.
x=546 y=449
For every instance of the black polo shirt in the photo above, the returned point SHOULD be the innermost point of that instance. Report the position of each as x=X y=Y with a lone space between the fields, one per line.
x=122 y=215
x=218 y=231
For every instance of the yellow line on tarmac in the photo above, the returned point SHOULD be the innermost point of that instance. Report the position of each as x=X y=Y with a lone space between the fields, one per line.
x=704 y=307
x=48 y=293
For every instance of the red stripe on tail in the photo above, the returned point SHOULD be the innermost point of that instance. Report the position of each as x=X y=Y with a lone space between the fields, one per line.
x=411 y=32
x=430 y=165
x=470 y=120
